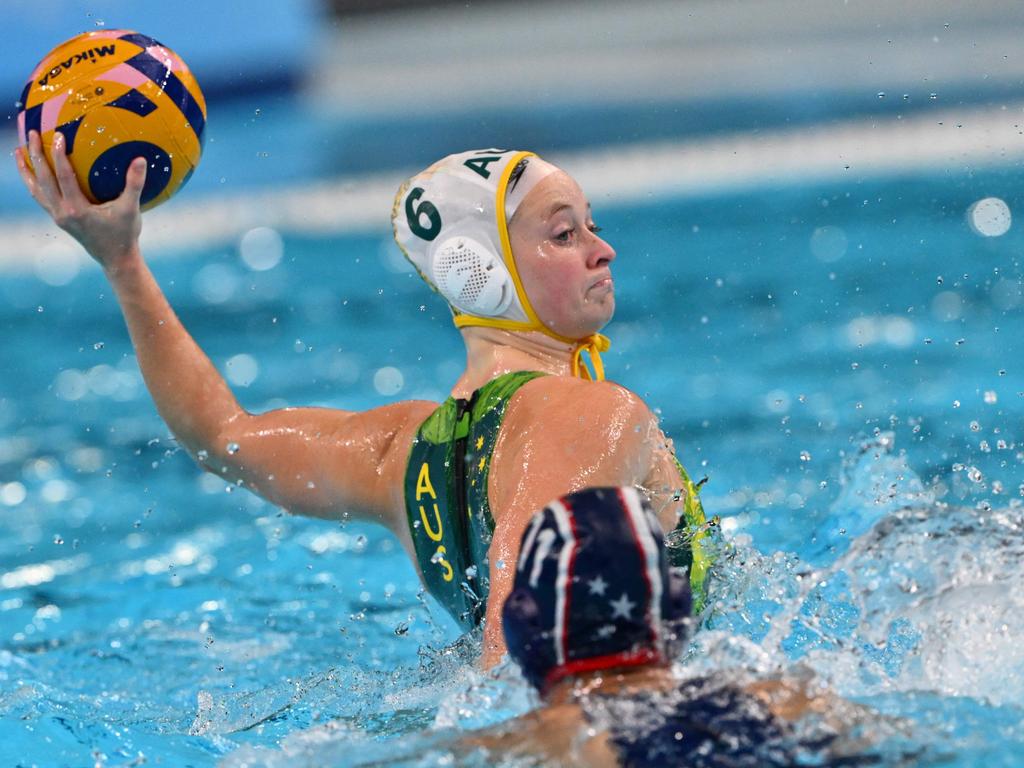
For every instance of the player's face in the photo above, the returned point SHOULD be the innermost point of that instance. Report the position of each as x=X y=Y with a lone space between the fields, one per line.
x=563 y=264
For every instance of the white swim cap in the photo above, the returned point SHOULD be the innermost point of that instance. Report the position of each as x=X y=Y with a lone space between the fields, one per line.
x=451 y=222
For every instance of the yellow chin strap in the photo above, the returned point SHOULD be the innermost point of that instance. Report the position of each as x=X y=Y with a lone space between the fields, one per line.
x=593 y=345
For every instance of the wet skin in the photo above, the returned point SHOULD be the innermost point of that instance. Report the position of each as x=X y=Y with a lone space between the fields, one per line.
x=560 y=433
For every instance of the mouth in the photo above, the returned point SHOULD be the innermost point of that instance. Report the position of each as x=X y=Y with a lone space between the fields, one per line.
x=604 y=284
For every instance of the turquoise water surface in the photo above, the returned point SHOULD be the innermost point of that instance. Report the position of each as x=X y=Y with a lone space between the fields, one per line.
x=842 y=360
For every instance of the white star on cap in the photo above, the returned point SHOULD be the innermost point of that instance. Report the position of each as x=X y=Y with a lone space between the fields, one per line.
x=597 y=586
x=623 y=607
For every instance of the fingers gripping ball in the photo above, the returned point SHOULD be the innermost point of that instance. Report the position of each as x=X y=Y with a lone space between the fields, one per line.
x=116 y=95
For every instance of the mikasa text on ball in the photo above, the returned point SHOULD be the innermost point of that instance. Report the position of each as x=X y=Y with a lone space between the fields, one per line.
x=116 y=95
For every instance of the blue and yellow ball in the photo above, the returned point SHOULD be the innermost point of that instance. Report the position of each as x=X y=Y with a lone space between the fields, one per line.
x=116 y=95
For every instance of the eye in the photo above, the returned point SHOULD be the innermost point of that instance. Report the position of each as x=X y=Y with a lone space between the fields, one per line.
x=564 y=236
x=594 y=228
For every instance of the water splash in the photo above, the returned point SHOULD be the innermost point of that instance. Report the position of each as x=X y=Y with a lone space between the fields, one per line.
x=906 y=597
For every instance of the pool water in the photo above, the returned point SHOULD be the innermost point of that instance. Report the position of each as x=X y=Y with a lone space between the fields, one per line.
x=841 y=360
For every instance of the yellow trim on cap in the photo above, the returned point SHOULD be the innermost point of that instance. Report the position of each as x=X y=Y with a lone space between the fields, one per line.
x=463 y=319
x=506 y=243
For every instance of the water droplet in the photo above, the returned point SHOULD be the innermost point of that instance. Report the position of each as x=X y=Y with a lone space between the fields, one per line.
x=202 y=454
x=881 y=94
x=975 y=426
x=805 y=456
x=956 y=403
x=98 y=345
x=233 y=448
x=57 y=539
x=991 y=398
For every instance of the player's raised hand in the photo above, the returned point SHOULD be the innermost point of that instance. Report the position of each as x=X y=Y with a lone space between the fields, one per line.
x=108 y=231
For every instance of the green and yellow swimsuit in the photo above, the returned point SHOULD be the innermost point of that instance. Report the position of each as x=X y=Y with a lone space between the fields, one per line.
x=450 y=516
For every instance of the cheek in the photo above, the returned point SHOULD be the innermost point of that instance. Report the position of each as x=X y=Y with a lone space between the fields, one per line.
x=547 y=281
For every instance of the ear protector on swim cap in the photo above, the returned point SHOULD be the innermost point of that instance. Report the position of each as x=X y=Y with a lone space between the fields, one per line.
x=593 y=589
x=472 y=276
x=451 y=222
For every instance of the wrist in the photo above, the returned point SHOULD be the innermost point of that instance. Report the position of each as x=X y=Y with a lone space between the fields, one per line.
x=124 y=263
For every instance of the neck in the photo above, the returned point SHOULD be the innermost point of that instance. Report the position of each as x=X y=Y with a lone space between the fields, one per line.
x=492 y=352
x=610 y=681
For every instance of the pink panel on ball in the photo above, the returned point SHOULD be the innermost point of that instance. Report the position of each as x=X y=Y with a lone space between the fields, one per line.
x=51 y=112
x=22 y=138
x=125 y=75
x=106 y=34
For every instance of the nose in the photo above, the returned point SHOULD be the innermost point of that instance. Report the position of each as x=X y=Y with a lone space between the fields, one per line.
x=599 y=252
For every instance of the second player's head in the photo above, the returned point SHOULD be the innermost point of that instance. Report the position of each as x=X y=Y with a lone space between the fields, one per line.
x=593 y=589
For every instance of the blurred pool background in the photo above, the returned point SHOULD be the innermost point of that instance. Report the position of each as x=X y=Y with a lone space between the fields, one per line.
x=820 y=289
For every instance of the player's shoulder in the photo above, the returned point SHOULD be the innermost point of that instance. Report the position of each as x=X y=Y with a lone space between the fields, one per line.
x=557 y=397
x=561 y=392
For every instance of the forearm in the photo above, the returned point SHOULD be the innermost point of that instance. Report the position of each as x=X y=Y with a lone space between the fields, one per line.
x=190 y=394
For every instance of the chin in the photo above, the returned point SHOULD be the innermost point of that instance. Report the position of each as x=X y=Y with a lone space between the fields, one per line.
x=604 y=317
x=594 y=323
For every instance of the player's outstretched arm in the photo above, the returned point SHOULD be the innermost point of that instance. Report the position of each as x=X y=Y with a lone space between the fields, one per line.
x=310 y=461
x=189 y=392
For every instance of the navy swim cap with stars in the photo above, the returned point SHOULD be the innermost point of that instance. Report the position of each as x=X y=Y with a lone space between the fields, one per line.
x=593 y=589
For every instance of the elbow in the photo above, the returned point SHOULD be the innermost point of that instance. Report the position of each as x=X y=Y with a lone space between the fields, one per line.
x=220 y=451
